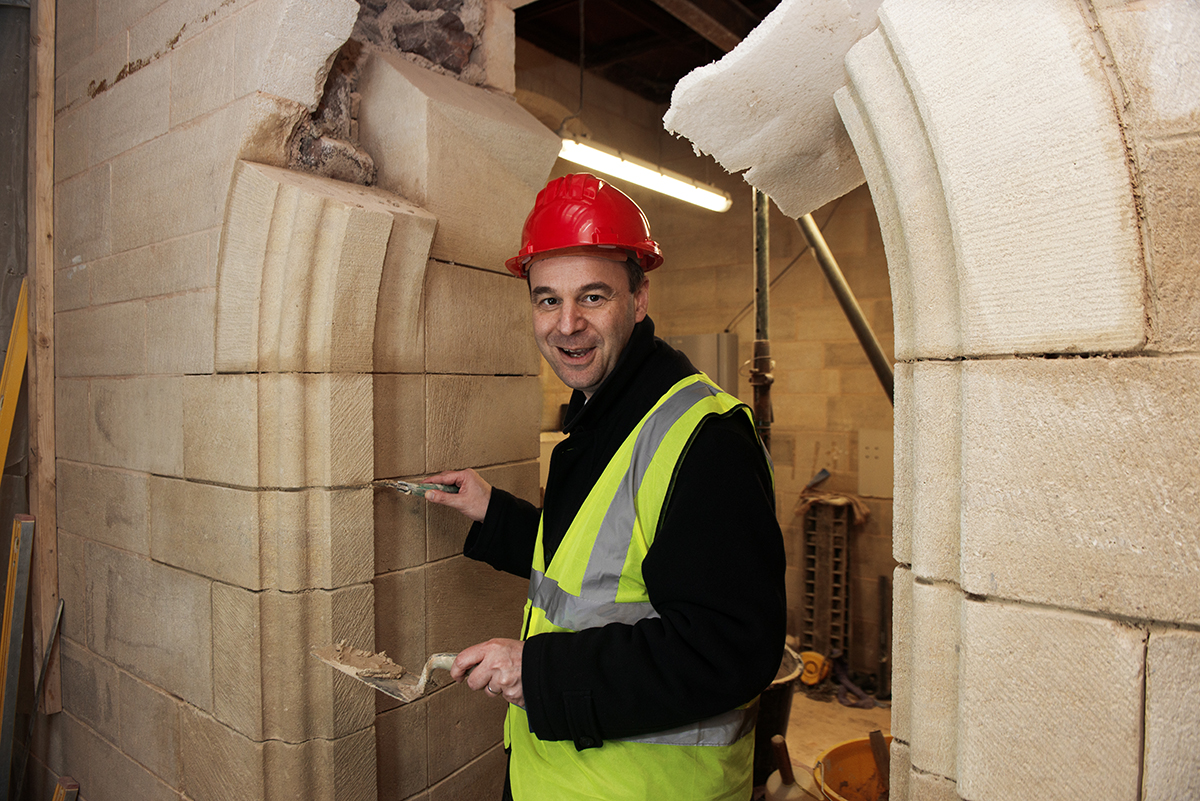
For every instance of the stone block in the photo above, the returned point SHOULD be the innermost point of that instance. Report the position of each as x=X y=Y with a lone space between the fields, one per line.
x=136 y=423
x=479 y=780
x=217 y=762
x=933 y=681
x=462 y=726
x=928 y=787
x=899 y=770
x=1092 y=494
x=206 y=529
x=163 y=268
x=321 y=769
x=83 y=217
x=72 y=585
x=467 y=602
x=477 y=421
x=306 y=39
x=201 y=79
x=1170 y=173
x=150 y=728
x=1161 y=101
x=421 y=127
x=102 y=768
x=903 y=462
x=1079 y=704
x=477 y=322
x=399 y=420
x=447 y=528
x=72 y=134
x=1006 y=85
x=853 y=412
x=902 y=653
x=400 y=530
x=1172 y=763
x=175 y=184
x=117 y=17
x=152 y=620
x=266 y=684
x=315 y=429
x=801 y=412
x=103 y=340
x=500 y=47
x=907 y=186
x=134 y=110
x=300 y=271
x=72 y=287
x=108 y=506
x=75 y=36
x=315 y=538
x=221 y=421
x=91 y=689
x=401 y=750
x=937 y=469
x=181 y=333
x=400 y=620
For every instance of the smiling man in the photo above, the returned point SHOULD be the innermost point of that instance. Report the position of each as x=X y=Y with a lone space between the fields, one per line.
x=656 y=606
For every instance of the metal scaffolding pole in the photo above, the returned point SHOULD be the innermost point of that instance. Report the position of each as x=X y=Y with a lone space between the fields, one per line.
x=761 y=377
x=854 y=313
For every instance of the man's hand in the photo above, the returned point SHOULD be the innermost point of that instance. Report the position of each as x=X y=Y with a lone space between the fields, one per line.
x=473 y=495
x=494 y=667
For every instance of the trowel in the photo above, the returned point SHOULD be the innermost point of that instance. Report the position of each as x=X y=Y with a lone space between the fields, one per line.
x=414 y=488
x=380 y=672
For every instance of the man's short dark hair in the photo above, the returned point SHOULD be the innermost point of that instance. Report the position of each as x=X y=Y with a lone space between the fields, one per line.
x=637 y=275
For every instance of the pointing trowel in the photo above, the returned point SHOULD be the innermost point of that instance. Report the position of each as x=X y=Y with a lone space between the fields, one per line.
x=380 y=672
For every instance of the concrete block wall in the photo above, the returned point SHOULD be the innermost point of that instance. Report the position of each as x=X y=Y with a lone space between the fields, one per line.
x=1046 y=497
x=242 y=351
x=824 y=391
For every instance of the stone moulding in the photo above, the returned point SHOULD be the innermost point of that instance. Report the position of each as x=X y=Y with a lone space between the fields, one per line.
x=995 y=154
x=299 y=270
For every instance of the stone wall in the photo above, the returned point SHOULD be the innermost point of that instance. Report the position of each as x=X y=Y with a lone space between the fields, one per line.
x=242 y=349
x=1035 y=171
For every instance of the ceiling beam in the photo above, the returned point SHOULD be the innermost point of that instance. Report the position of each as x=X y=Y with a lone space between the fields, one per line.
x=722 y=22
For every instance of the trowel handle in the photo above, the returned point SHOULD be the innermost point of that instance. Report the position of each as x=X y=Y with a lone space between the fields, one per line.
x=785 y=761
x=442 y=661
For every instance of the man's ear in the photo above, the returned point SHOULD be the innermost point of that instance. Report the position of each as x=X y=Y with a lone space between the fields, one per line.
x=641 y=300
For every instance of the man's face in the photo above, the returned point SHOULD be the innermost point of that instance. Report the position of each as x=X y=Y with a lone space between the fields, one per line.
x=583 y=314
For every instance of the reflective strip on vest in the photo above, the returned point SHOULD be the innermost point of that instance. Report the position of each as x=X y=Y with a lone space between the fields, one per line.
x=597 y=603
x=723 y=729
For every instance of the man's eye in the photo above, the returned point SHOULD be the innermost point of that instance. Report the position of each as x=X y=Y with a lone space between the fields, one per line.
x=594 y=299
x=546 y=303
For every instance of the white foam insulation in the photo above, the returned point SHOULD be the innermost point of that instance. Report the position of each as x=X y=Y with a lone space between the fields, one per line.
x=767 y=107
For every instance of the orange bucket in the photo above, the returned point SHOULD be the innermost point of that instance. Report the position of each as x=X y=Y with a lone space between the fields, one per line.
x=847 y=772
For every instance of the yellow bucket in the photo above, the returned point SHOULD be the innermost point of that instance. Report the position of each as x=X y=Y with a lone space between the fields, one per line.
x=847 y=771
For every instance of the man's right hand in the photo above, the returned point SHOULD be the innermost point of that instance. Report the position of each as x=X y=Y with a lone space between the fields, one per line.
x=472 y=497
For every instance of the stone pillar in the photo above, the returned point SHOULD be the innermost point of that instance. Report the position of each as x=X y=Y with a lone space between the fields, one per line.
x=1047 y=503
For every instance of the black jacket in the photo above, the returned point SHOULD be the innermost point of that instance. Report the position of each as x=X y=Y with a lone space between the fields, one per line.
x=715 y=572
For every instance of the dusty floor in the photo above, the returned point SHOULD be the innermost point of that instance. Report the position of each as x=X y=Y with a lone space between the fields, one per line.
x=816 y=725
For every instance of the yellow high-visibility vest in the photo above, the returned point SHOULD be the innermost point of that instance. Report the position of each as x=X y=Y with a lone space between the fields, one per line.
x=595 y=578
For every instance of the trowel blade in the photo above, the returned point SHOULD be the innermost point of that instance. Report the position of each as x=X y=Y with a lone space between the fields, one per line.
x=406 y=688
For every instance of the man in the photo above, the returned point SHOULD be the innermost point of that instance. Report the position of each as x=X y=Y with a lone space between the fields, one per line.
x=657 y=606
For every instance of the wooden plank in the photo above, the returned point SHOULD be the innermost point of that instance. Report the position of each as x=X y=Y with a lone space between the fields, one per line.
x=15 y=596
x=42 y=481
x=14 y=368
x=67 y=789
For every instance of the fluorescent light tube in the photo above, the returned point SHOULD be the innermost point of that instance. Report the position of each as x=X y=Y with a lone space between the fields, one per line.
x=618 y=165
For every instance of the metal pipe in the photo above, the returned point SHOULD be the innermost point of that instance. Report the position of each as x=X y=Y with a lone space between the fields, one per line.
x=761 y=377
x=854 y=313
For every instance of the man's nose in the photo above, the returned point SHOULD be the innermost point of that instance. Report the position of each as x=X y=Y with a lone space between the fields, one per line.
x=571 y=319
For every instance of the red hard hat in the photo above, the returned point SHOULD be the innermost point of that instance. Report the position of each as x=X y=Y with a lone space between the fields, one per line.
x=581 y=210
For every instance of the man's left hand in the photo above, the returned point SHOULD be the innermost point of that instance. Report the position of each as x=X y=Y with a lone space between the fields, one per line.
x=494 y=667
